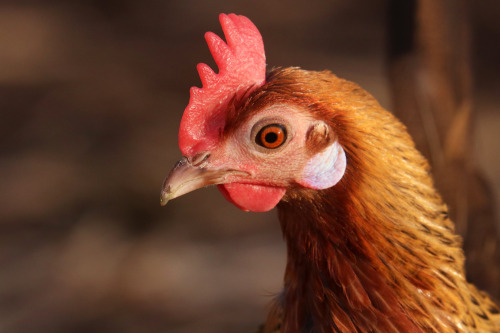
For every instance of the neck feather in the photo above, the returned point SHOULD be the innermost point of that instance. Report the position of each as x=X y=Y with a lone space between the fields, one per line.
x=376 y=252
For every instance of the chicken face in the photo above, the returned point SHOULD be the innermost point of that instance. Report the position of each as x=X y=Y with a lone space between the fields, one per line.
x=272 y=149
x=253 y=150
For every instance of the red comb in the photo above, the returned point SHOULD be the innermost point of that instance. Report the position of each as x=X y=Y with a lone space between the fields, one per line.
x=242 y=65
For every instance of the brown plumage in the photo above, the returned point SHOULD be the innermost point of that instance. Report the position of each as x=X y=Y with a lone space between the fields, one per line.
x=370 y=245
x=377 y=252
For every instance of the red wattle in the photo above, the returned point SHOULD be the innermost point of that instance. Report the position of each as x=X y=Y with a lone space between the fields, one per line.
x=254 y=198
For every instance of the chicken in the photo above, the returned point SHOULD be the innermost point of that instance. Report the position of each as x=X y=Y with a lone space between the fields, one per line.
x=370 y=246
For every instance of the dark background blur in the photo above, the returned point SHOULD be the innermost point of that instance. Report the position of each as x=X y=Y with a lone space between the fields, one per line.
x=91 y=95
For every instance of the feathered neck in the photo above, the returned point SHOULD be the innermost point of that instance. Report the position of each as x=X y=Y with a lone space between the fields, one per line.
x=374 y=252
x=333 y=277
x=354 y=265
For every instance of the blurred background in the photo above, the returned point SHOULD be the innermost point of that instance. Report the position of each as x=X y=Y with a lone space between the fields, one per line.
x=91 y=95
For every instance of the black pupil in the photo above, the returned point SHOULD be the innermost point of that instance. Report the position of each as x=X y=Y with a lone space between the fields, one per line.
x=271 y=137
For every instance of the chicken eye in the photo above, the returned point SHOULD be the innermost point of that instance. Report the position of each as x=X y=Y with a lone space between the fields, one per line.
x=271 y=136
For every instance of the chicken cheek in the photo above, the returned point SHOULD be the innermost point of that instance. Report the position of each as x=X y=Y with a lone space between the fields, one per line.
x=325 y=169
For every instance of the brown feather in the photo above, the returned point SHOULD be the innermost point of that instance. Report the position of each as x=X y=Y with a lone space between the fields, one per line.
x=377 y=252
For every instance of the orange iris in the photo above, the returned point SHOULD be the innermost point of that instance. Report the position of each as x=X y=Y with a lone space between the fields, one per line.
x=271 y=136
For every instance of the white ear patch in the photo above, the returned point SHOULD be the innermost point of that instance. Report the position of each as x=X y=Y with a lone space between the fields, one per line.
x=325 y=169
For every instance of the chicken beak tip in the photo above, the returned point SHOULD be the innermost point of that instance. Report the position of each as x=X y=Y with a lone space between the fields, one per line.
x=163 y=201
x=166 y=195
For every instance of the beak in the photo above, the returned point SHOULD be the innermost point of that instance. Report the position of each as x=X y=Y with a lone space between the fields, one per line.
x=192 y=174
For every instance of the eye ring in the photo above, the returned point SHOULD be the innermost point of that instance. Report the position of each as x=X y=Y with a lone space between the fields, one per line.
x=271 y=136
